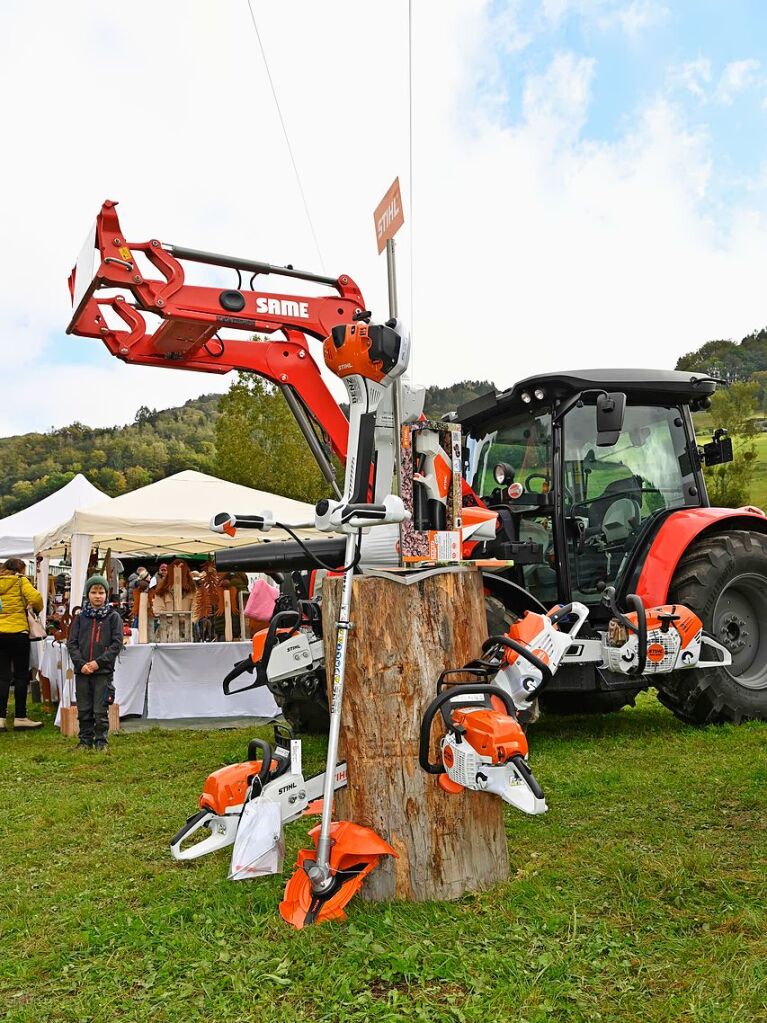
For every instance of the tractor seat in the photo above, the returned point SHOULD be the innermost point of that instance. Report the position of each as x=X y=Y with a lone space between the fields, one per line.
x=618 y=512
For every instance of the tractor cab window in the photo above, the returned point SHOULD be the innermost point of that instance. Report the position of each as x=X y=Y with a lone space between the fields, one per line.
x=611 y=492
x=521 y=443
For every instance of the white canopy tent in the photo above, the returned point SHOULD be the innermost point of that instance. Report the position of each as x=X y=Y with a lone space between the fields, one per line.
x=170 y=517
x=17 y=531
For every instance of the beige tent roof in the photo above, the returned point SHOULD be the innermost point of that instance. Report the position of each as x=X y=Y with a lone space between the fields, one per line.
x=172 y=516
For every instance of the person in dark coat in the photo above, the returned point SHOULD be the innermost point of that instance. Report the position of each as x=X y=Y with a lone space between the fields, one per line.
x=95 y=640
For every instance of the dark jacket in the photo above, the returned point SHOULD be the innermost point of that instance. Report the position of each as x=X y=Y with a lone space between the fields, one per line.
x=94 y=639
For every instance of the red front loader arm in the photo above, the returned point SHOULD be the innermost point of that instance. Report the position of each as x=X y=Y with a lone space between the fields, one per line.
x=192 y=316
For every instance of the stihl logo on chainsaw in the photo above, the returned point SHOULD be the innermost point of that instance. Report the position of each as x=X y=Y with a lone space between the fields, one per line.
x=283 y=307
x=286 y=788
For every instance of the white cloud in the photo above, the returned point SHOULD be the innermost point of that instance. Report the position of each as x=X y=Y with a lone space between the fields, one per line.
x=534 y=248
x=736 y=77
x=555 y=103
x=693 y=75
x=629 y=16
x=637 y=16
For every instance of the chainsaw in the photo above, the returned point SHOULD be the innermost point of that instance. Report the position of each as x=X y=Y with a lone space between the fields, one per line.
x=646 y=641
x=532 y=650
x=287 y=657
x=484 y=749
x=271 y=774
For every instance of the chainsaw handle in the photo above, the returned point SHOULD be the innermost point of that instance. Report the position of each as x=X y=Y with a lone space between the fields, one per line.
x=527 y=654
x=254 y=747
x=560 y=614
x=271 y=636
x=447 y=696
x=239 y=669
x=531 y=781
x=635 y=603
x=476 y=668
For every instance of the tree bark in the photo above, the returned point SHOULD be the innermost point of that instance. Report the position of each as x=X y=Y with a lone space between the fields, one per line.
x=403 y=637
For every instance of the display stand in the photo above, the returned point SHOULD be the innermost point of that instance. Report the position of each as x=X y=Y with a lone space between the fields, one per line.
x=228 y=629
x=143 y=618
x=403 y=636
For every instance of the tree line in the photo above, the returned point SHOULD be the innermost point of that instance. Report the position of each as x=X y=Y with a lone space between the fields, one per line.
x=247 y=436
x=735 y=408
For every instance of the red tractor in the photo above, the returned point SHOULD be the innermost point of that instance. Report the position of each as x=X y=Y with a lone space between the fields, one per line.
x=596 y=476
x=600 y=471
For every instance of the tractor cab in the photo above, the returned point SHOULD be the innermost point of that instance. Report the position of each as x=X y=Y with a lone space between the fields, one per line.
x=585 y=466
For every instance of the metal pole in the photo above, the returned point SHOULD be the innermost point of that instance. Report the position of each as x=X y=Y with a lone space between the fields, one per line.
x=310 y=437
x=320 y=875
x=249 y=265
x=391 y=274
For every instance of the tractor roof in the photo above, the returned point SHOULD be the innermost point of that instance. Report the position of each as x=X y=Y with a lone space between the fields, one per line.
x=649 y=385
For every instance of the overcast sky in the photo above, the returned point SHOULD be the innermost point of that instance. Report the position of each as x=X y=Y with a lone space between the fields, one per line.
x=589 y=176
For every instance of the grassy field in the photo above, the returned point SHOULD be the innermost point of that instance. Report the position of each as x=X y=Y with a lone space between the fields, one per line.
x=759 y=485
x=704 y=426
x=640 y=896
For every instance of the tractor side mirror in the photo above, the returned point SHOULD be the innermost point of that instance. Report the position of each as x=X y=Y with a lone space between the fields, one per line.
x=611 y=409
x=719 y=450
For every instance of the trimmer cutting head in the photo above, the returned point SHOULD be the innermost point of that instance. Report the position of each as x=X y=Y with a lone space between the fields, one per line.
x=354 y=854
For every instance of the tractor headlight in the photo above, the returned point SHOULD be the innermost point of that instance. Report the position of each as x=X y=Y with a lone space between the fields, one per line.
x=503 y=474
x=526 y=398
x=540 y=394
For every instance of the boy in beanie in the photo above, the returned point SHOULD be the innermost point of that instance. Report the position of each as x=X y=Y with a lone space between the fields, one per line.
x=95 y=640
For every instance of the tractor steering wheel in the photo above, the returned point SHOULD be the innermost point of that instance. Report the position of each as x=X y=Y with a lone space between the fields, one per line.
x=615 y=493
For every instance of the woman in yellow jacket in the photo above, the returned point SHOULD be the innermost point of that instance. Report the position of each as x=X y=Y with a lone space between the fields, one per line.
x=16 y=593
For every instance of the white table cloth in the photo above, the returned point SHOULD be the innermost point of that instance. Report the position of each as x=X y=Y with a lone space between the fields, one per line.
x=131 y=678
x=169 y=680
x=185 y=682
x=54 y=663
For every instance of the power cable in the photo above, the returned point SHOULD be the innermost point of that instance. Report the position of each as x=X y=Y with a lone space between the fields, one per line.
x=287 y=139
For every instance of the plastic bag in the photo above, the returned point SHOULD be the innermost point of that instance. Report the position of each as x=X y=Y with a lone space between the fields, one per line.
x=259 y=848
x=261 y=600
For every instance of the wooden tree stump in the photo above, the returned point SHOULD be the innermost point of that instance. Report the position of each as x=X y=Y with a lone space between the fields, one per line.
x=403 y=637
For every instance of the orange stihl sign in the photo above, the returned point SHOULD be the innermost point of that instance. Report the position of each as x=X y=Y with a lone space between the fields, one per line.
x=388 y=216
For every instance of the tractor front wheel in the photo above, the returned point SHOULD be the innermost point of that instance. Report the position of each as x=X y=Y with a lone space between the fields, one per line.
x=723 y=579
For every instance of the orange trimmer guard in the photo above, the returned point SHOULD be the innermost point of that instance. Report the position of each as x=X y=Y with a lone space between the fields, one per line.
x=355 y=854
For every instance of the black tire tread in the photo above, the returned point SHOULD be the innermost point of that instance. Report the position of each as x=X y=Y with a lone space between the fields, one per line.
x=700 y=697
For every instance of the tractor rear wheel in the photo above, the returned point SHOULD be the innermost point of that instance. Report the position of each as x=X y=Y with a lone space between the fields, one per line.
x=723 y=579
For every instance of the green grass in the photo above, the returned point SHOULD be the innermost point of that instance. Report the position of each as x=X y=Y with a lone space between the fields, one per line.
x=759 y=483
x=640 y=896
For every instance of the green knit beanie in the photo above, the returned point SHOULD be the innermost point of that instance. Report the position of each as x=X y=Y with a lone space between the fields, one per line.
x=96 y=580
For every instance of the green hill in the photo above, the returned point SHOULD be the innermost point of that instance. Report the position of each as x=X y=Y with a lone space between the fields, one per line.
x=115 y=459
x=732 y=360
x=121 y=458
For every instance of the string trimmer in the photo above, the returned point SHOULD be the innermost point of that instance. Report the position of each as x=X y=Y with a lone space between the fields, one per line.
x=368 y=358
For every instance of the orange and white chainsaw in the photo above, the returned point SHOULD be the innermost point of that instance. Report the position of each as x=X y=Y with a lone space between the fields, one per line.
x=646 y=641
x=271 y=774
x=484 y=748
